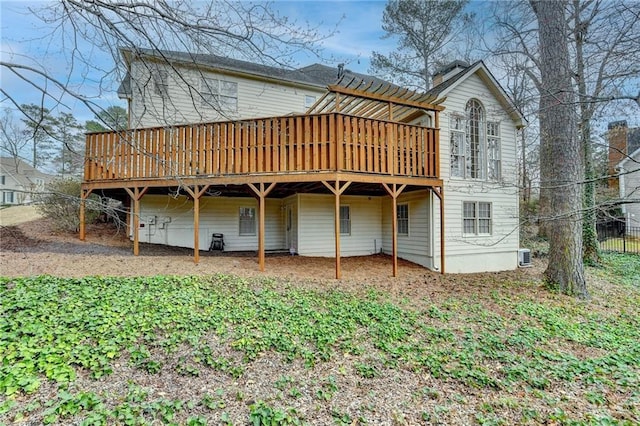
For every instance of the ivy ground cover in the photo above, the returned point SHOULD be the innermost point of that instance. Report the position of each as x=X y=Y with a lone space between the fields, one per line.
x=225 y=350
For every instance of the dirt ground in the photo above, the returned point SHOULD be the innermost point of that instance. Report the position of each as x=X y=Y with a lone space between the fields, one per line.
x=35 y=247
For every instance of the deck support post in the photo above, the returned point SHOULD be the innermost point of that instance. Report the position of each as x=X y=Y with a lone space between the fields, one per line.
x=440 y=194
x=84 y=193
x=196 y=193
x=261 y=194
x=136 y=195
x=337 y=190
x=394 y=192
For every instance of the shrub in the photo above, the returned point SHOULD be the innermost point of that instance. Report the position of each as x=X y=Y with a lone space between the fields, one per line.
x=61 y=203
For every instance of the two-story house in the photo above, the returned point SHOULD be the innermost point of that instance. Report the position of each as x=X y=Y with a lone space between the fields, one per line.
x=19 y=182
x=316 y=161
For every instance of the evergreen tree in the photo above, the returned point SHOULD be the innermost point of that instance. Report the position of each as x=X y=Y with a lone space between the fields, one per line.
x=39 y=130
x=426 y=31
x=112 y=118
x=70 y=139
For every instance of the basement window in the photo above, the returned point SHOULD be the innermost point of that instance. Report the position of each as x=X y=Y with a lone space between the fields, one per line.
x=403 y=219
x=345 y=220
x=247 y=221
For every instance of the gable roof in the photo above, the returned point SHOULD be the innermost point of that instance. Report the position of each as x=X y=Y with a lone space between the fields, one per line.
x=315 y=75
x=633 y=157
x=479 y=68
x=22 y=172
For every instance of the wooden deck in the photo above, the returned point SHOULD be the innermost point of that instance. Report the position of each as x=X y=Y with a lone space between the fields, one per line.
x=297 y=144
x=330 y=149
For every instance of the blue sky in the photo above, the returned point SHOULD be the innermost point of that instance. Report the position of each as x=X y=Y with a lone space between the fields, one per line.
x=24 y=39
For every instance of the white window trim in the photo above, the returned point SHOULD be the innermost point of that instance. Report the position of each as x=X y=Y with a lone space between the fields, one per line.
x=255 y=225
x=404 y=234
x=8 y=194
x=309 y=100
x=460 y=156
x=464 y=149
x=348 y=220
x=211 y=94
x=481 y=134
x=498 y=151
x=476 y=219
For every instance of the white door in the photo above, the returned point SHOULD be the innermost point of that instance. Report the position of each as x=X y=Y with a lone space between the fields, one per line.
x=289 y=228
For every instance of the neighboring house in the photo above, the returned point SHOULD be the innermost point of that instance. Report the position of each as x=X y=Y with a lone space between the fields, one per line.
x=343 y=163
x=629 y=186
x=19 y=181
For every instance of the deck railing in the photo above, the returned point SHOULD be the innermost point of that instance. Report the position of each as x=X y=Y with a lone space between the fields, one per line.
x=291 y=144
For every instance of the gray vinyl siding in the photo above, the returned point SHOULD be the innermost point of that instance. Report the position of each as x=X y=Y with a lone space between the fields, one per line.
x=414 y=247
x=217 y=215
x=498 y=251
x=256 y=97
x=316 y=232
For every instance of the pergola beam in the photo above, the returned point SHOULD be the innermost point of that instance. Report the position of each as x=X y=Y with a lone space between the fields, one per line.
x=397 y=100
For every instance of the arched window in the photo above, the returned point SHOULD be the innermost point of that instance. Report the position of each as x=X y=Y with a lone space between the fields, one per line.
x=475 y=158
x=475 y=144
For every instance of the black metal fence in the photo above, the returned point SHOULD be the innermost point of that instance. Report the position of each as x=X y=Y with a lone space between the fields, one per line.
x=614 y=235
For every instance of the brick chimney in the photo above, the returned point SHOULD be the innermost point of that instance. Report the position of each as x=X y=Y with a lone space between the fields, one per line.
x=446 y=72
x=617 y=137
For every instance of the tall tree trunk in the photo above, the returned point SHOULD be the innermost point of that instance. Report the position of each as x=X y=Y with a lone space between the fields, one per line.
x=561 y=159
x=590 y=250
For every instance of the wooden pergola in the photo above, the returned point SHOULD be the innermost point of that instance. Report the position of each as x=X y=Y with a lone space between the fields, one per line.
x=355 y=136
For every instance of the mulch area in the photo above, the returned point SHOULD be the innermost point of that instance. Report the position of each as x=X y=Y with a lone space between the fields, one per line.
x=36 y=248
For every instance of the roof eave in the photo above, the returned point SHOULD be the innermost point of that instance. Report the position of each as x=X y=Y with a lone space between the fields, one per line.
x=230 y=70
x=628 y=158
x=495 y=87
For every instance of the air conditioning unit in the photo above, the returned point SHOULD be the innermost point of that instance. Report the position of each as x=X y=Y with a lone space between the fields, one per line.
x=524 y=258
